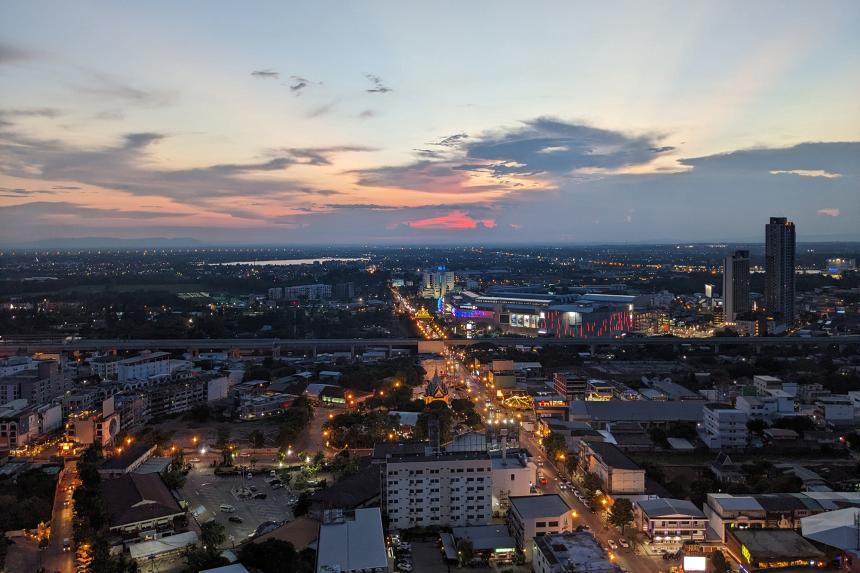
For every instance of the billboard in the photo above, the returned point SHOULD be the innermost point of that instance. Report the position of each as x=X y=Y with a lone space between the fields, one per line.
x=695 y=563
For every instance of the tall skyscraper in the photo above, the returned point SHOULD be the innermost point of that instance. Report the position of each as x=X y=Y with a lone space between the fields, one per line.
x=736 y=285
x=779 y=267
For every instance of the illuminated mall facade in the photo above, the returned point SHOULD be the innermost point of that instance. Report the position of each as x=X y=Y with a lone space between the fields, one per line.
x=545 y=313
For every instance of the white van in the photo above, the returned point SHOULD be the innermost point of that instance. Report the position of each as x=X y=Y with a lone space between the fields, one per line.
x=227 y=508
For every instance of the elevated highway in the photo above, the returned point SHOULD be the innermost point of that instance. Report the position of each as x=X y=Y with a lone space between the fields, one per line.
x=11 y=345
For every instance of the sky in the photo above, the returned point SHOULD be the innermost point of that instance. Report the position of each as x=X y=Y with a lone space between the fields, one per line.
x=420 y=123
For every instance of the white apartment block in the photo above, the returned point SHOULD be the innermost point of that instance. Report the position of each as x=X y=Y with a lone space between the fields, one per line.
x=769 y=407
x=837 y=410
x=447 y=489
x=723 y=427
x=143 y=366
x=512 y=476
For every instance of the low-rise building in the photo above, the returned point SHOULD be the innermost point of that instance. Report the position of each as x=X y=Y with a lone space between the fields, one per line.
x=723 y=427
x=617 y=472
x=576 y=552
x=537 y=515
x=670 y=520
x=764 y=549
x=127 y=461
x=140 y=507
x=352 y=542
x=836 y=411
x=773 y=511
x=646 y=412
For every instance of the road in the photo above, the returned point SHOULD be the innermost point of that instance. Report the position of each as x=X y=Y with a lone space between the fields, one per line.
x=54 y=558
x=631 y=559
x=9 y=345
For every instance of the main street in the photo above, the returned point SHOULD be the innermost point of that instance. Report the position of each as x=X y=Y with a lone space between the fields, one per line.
x=55 y=558
x=632 y=559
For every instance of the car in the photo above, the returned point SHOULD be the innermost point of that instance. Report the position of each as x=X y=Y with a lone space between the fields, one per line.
x=260 y=495
x=277 y=485
x=235 y=519
x=273 y=473
x=404 y=546
x=404 y=566
x=253 y=488
x=624 y=543
x=67 y=545
x=249 y=476
x=226 y=508
x=613 y=545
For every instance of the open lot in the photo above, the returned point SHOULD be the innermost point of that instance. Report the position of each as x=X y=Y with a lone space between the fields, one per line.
x=205 y=493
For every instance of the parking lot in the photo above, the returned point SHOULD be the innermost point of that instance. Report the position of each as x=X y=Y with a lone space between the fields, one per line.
x=205 y=493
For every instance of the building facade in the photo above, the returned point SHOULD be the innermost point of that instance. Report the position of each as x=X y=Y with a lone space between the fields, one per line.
x=723 y=427
x=779 y=267
x=736 y=285
x=447 y=489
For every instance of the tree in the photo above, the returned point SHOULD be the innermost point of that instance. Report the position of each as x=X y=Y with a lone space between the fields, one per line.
x=212 y=534
x=465 y=551
x=271 y=556
x=720 y=563
x=302 y=505
x=554 y=444
x=621 y=513
x=756 y=426
x=591 y=483
x=257 y=439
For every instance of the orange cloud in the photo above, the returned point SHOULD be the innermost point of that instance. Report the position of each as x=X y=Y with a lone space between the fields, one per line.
x=455 y=220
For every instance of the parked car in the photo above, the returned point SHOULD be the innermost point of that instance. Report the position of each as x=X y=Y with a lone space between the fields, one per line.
x=235 y=519
x=613 y=545
x=624 y=543
x=226 y=508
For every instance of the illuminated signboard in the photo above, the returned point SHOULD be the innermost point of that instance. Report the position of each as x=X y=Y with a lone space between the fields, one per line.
x=695 y=563
x=746 y=553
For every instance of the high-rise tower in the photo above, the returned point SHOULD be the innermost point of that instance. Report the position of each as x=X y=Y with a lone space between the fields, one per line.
x=779 y=267
x=736 y=285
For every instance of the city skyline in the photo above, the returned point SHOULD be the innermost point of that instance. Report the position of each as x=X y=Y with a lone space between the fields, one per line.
x=380 y=124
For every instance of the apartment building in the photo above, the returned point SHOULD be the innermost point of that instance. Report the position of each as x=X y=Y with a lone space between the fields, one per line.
x=39 y=384
x=143 y=366
x=512 y=475
x=570 y=385
x=723 y=427
x=446 y=489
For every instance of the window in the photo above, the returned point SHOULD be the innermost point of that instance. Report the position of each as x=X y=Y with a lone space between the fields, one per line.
x=553 y=524
x=513 y=477
x=540 y=524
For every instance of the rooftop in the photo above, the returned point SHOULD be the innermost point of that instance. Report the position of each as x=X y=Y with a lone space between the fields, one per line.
x=638 y=411
x=775 y=544
x=533 y=506
x=575 y=552
x=137 y=497
x=666 y=507
x=354 y=542
x=613 y=456
x=486 y=536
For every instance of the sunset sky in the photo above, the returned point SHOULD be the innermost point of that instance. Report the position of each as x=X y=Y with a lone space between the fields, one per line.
x=438 y=122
